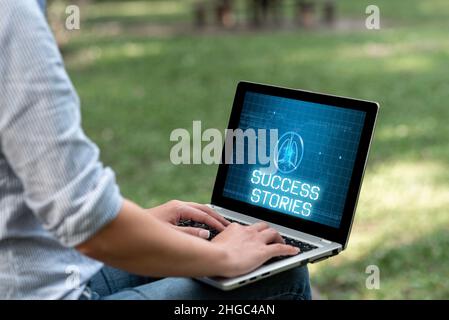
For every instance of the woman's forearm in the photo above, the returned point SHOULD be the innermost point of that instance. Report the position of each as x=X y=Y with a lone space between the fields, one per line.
x=138 y=242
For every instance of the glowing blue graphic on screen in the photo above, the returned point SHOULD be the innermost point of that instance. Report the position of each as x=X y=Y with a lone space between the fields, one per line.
x=315 y=155
x=290 y=150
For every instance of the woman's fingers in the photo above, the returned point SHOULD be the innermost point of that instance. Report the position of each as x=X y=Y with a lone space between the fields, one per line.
x=188 y=212
x=270 y=235
x=197 y=232
x=210 y=212
x=279 y=249
x=203 y=214
x=259 y=226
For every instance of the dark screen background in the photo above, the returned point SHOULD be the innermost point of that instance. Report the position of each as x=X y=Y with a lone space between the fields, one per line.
x=330 y=137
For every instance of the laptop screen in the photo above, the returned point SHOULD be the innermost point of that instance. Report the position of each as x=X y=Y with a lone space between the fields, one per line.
x=314 y=158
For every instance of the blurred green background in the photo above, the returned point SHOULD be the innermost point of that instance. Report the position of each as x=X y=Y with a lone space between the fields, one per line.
x=142 y=70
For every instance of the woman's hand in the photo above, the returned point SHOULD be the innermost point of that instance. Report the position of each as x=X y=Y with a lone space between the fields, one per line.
x=248 y=247
x=174 y=211
x=148 y=244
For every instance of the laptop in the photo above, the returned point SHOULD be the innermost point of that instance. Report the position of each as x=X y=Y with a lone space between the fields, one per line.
x=319 y=160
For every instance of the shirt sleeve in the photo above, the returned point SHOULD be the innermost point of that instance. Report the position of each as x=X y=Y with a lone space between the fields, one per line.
x=65 y=185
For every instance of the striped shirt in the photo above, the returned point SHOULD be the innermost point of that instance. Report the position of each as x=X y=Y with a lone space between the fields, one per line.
x=54 y=191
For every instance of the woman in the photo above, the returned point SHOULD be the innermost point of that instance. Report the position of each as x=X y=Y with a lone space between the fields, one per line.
x=62 y=214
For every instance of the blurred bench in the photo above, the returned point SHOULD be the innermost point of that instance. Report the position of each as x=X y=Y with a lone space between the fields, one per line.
x=306 y=12
x=223 y=12
x=262 y=12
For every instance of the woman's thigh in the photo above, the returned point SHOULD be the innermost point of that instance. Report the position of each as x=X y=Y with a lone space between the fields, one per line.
x=291 y=284
x=110 y=280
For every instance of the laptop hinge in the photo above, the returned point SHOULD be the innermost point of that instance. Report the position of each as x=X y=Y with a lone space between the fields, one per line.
x=327 y=256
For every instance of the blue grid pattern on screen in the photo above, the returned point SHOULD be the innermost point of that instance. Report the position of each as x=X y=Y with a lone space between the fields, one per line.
x=331 y=137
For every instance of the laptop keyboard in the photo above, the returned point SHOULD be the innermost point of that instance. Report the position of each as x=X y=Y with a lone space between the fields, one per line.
x=303 y=246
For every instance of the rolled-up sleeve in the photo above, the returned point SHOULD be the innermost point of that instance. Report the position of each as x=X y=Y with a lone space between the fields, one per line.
x=65 y=184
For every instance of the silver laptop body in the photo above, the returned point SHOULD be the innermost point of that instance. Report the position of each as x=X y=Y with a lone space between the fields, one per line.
x=325 y=250
x=327 y=242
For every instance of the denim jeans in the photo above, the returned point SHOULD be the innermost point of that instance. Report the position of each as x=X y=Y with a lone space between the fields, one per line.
x=114 y=284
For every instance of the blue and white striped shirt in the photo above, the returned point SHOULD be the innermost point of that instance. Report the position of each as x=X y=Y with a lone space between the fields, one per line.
x=54 y=192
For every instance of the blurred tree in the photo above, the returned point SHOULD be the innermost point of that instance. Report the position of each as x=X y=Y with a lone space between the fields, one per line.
x=224 y=13
x=264 y=10
x=329 y=15
x=200 y=13
x=306 y=13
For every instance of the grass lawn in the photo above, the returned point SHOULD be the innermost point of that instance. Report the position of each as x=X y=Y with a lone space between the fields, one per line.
x=135 y=90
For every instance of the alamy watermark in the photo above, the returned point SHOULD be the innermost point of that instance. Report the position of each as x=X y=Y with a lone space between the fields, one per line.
x=372 y=282
x=372 y=22
x=73 y=279
x=73 y=19
x=248 y=146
